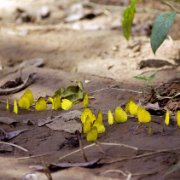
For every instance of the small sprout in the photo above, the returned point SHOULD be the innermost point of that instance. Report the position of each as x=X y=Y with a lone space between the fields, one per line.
x=150 y=130
x=178 y=117
x=147 y=79
x=7 y=104
x=24 y=102
x=131 y=108
x=66 y=104
x=92 y=135
x=41 y=104
x=86 y=100
x=167 y=118
x=110 y=118
x=15 y=108
x=87 y=125
x=143 y=115
x=120 y=115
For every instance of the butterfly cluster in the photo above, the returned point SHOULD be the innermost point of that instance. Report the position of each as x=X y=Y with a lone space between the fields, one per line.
x=93 y=126
x=27 y=101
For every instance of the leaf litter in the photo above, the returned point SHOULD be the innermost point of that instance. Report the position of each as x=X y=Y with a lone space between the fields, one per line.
x=68 y=122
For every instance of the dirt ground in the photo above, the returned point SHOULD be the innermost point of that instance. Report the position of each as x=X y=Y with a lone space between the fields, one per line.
x=68 y=41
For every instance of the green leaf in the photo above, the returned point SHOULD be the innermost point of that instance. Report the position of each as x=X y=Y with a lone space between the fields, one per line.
x=161 y=27
x=128 y=16
x=72 y=93
x=146 y=78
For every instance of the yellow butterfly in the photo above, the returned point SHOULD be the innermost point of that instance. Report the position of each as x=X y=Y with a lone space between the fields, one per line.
x=100 y=126
x=167 y=118
x=178 y=117
x=87 y=125
x=7 y=104
x=51 y=101
x=66 y=104
x=41 y=104
x=87 y=112
x=110 y=118
x=28 y=93
x=120 y=115
x=15 y=108
x=99 y=117
x=92 y=135
x=143 y=115
x=24 y=102
x=86 y=100
x=131 y=108
x=56 y=102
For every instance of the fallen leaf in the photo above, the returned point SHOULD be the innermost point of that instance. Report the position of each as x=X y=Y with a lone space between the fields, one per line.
x=68 y=122
x=7 y=120
x=72 y=93
x=42 y=122
x=5 y=136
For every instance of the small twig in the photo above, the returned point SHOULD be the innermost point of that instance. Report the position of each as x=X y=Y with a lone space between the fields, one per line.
x=81 y=146
x=74 y=152
x=94 y=144
x=114 y=171
x=171 y=6
x=126 y=174
x=99 y=145
x=167 y=97
x=119 y=144
x=145 y=155
x=14 y=145
x=117 y=89
x=34 y=156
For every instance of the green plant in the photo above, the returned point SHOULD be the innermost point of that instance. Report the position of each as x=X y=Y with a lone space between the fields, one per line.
x=161 y=24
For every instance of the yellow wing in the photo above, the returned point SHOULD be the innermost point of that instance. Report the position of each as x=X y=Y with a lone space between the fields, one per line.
x=143 y=115
x=41 y=104
x=110 y=118
x=92 y=135
x=178 y=117
x=15 y=108
x=7 y=104
x=28 y=94
x=167 y=118
x=87 y=125
x=131 y=108
x=86 y=100
x=66 y=104
x=24 y=102
x=56 y=102
x=87 y=112
x=100 y=126
x=120 y=115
